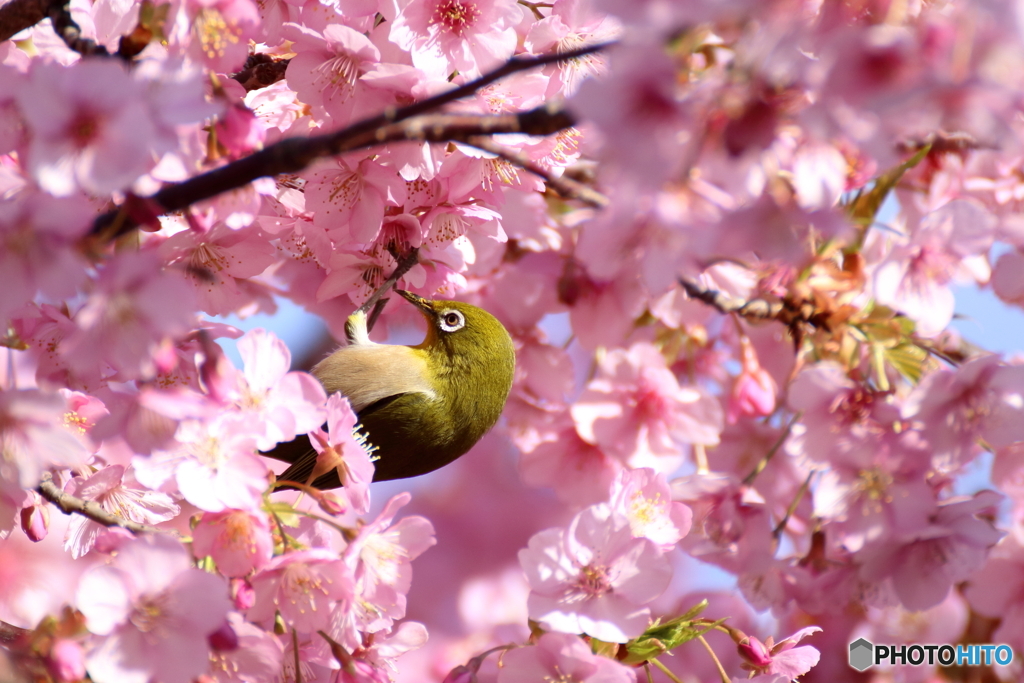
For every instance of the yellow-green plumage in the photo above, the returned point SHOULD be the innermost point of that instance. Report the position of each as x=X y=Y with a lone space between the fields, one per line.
x=422 y=406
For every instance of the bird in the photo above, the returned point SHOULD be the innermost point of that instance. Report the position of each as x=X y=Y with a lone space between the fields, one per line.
x=420 y=407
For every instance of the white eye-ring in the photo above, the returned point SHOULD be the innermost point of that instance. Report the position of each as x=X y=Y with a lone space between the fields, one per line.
x=451 y=320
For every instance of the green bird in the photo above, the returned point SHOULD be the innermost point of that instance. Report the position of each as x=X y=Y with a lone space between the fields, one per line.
x=421 y=406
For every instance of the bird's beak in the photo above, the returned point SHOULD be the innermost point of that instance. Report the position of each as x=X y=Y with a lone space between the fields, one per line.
x=419 y=302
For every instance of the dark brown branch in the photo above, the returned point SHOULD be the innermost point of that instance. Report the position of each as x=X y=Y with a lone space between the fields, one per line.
x=18 y=15
x=261 y=70
x=11 y=634
x=69 y=31
x=87 y=508
x=376 y=302
x=295 y=154
x=406 y=123
x=566 y=187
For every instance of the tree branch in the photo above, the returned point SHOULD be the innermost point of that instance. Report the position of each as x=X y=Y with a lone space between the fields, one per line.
x=18 y=15
x=376 y=302
x=406 y=123
x=755 y=309
x=11 y=634
x=567 y=187
x=87 y=508
x=69 y=31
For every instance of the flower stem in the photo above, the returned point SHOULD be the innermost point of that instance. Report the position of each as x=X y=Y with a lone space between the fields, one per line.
x=664 y=670
x=714 y=658
x=749 y=479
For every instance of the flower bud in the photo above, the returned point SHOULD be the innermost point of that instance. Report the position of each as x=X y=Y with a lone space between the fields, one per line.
x=35 y=520
x=66 y=661
x=754 y=652
x=242 y=594
x=331 y=503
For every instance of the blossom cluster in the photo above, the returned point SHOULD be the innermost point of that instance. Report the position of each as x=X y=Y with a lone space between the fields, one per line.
x=739 y=354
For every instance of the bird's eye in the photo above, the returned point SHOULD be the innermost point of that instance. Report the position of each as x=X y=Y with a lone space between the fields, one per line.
x=452 y=321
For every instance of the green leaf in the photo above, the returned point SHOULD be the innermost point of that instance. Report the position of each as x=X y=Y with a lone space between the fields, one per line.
x=878 y=366
x=864 y=207
x=907 y=359
x=284 y=512
x=661 y=638
x=599 y=647
x=692 y=613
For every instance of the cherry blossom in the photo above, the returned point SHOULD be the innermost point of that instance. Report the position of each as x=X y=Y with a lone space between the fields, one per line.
x=468 y=36
x=284 y=403
x=730 y=522
x=152 y=612
x=636 y=410
x=924 y=564
x=212 y=465
x=783 y=658
x=594 y=577
x=135 y=307
x=565 y=656
x=727 y=248
x=343 y=449
x=108 y=488
x=754 y=390
x=380 y=559
x=342 y=195
x=221 y=30
x=983 y=399
x=91 y=131
x=644 y=498
x=944 y=245
x=579 y=472
x=219 y=264
x=36 y=236
x=238 y=541
x=32 y=436
x=67 y=661
x=257 y=657
x=327 y=69
x=302 y=586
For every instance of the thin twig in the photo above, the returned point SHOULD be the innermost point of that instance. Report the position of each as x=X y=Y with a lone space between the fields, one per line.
x=758 y=309
x=403 y=267
x=406 y=123
x=90 y=509
x=567 y=187
x=763 y=462
x=792 y=506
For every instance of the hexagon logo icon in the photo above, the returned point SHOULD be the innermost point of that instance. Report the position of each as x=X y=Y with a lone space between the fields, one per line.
x=860 y=654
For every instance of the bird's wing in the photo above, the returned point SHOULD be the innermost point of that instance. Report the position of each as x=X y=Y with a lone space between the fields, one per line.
x=367 y=374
